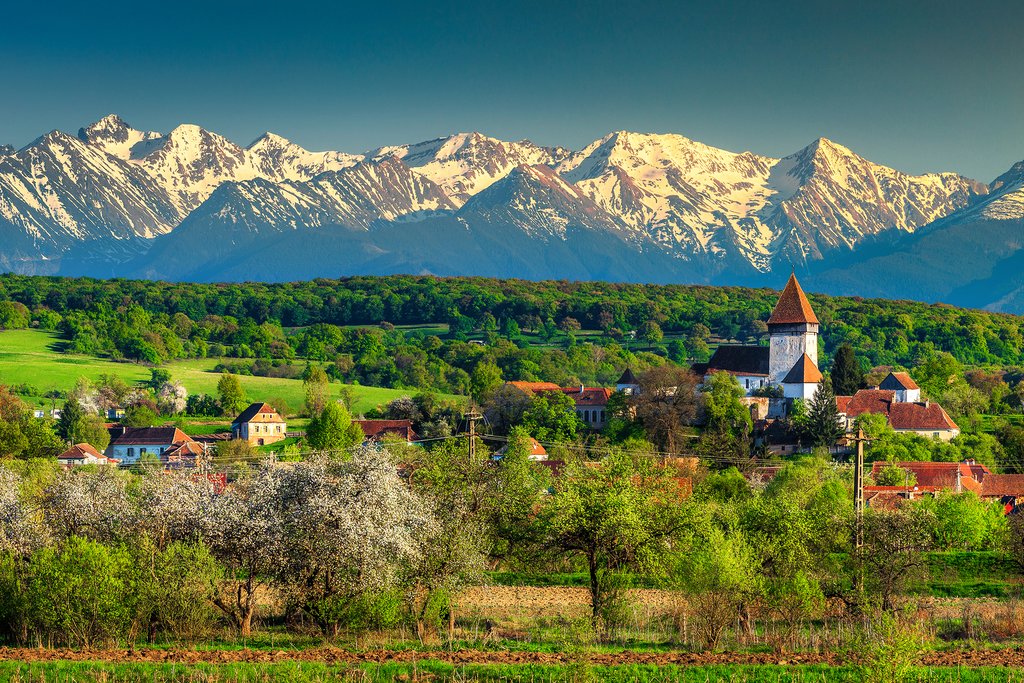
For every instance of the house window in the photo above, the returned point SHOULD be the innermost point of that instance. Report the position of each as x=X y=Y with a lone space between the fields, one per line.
x=131 y=452
x=142 y=452
x=747 y=382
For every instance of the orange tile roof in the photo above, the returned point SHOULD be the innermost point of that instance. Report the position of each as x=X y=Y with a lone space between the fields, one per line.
x=920 y=417
x=870 y=401
x=1000 y=485
x=535 y=386
x=793 y=306
x=804 y=372
x=80 y=451
x=903 y=379
x=940 y=474
x=589 y=396
x=843 y=402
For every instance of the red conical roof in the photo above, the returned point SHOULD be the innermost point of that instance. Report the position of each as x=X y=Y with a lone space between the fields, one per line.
x=793 y=307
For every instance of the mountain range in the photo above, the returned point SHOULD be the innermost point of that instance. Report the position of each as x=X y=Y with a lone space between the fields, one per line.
x=192 y=205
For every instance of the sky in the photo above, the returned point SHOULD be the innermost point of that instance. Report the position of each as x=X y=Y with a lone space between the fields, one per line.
x=917 y=85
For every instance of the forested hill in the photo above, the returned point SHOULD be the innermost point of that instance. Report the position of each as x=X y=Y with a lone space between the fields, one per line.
x=676 y=320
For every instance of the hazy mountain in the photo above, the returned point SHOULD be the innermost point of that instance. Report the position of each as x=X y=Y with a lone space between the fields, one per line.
x=974 y=257
x=191 y=203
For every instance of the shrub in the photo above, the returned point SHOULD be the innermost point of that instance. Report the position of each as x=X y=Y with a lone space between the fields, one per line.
x=80 y=593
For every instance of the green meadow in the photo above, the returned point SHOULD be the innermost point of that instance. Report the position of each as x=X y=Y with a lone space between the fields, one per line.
x=34 y=358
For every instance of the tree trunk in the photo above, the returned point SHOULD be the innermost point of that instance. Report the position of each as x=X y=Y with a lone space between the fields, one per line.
x=595 y=589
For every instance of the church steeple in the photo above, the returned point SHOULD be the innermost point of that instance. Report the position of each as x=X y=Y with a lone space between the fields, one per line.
x=793 y=333
x=793 y=308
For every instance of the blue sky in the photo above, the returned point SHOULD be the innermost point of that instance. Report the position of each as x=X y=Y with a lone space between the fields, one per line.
x=922 y=86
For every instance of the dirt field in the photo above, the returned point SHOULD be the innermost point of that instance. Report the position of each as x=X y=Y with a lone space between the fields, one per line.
x=1008 y=657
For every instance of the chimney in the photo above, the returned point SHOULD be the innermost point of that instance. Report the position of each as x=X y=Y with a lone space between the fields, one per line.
x=582 y=387
x=959 y=485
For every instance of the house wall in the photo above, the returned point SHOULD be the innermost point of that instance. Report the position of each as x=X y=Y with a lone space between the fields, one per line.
x=257 y=432
x=786 y=344
x=129 y=455
x=804 y=391
x=940 y=434
x=595 y=417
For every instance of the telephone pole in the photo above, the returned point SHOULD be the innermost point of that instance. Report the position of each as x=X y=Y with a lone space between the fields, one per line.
x=858 y=505
x=471 y=417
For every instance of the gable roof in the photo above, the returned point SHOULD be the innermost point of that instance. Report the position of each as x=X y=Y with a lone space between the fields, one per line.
x=870 y=401
x=588 y=396
x=1003 y=485
x=263 y=410
x=843 y=403
x=804 y=371
x=736 y=360
x=80 y=451
x=533 y=387
x=536 y=449
x=940 y=474
x=919 y=417
x=793 y=308
x=375 y=430
x=151 y=436
x=897 y=381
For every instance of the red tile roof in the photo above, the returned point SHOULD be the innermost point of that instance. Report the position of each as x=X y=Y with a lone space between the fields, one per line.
x=80 y=451
x=151 y=436
x=793 y=307
x=374 y=430
x=804 y=372
x=901 y=379
x=536 y=449
x=940 y=474
x=870 y=401
x=843 y=403
x=999 y=485
x=589 y=396
x=920 y=417
x=263 y=412
x=534 y=387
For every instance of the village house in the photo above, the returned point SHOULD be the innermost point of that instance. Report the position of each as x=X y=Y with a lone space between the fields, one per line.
x=591 y=402
x=1008 y=489
x=84 y=454
x=131 y=444
x=378 y=430
x=924 y=418
x=537 y=451
x=259 y=424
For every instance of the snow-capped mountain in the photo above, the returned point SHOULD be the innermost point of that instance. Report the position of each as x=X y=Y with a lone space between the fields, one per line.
x=697 y=211
x=695 y=199
x=536 y=200
x=466 y=163
x=61 y=192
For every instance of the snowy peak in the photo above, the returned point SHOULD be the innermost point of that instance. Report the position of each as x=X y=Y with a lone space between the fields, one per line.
x=278 y=158
x=115 y=137
x=538 y=201
x=466 y=163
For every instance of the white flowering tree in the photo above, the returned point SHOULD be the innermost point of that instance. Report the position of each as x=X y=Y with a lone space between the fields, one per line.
x=20 y=530
x=171 y=398
x=94 y=504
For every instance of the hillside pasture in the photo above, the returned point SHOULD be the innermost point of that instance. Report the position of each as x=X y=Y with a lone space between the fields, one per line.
x=33 y=358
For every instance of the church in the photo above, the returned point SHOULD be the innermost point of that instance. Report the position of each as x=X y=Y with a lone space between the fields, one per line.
x=789 y=362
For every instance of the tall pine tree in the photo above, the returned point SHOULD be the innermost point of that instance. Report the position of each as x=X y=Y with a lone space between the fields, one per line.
x=822 y=426
x=847 y=377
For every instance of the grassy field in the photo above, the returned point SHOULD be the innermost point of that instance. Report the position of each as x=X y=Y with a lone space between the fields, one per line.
x=314 y=672
x=33 y=357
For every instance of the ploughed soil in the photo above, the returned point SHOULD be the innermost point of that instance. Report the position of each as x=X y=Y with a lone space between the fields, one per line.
x=1006 y=657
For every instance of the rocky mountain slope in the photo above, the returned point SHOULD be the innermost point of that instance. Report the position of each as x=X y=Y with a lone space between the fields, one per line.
x=189 y=201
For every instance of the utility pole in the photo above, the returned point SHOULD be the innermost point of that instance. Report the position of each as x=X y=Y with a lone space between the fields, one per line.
x=472 y=416
x=858 y=505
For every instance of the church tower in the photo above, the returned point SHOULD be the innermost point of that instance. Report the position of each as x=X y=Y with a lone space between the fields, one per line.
x=793 y=333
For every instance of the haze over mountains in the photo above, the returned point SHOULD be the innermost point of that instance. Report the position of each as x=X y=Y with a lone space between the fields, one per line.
x=193 y=205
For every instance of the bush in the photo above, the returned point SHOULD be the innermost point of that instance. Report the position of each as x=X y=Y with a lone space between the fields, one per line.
x=176 y=590
x=80 y=594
